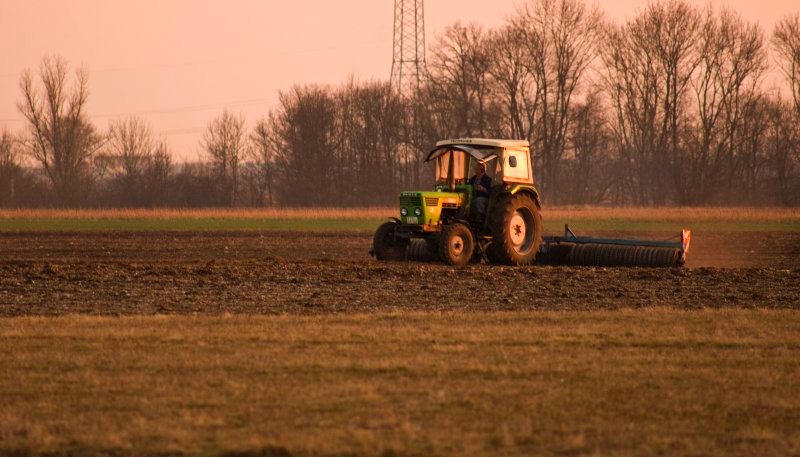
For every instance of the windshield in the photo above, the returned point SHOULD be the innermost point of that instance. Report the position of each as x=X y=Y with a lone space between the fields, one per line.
x=444 y=162
x=464 y=166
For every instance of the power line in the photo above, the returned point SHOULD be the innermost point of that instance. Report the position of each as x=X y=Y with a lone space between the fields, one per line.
x=186 y=131
x=186 y=109
x=227 y=60
x=241 y=59
x=174 y=109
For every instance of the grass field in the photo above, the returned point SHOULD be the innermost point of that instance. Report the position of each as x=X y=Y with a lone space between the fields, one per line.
x=652 y=382
x=366 y=219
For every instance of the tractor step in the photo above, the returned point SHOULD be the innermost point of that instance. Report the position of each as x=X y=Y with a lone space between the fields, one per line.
x=571 y=249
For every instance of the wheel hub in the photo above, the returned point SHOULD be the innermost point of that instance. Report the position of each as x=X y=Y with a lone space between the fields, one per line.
x=517 y=229
x=457 y=246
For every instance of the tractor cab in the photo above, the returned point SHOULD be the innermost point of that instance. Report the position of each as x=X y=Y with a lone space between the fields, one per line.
x=507 y=164
x=507 y=161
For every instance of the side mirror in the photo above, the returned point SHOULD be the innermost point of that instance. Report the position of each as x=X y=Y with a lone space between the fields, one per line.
x=512 y=161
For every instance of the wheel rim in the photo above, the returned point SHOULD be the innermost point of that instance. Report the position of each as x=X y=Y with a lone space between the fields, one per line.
x=520 y=230
x=457 y=246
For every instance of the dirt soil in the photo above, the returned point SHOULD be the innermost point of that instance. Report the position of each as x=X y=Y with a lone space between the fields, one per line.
x=122 y=273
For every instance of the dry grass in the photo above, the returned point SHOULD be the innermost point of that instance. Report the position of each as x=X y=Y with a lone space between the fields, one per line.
x=676 y=215
x=652 y=382
x=206 y=213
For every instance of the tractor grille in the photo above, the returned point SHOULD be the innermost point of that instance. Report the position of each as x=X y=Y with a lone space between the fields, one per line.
x=406 y=200
x=431 y=201
x=449 y=205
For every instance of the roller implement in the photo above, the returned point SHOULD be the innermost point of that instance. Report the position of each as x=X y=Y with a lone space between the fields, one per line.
x=571 y=249
x=493 y=214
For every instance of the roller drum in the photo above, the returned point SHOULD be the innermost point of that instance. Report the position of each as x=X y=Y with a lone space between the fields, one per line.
x=610 y=255
x=420 y=251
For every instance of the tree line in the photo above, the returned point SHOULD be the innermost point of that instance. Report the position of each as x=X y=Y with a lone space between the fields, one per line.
x=672 y=107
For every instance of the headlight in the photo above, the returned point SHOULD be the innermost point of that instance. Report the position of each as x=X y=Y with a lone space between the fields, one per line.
x=418 y=211
x=403 y=212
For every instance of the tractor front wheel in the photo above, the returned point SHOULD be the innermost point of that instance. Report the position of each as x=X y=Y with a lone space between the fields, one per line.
x=456 y=245
x=516 y=227
x=385 y=246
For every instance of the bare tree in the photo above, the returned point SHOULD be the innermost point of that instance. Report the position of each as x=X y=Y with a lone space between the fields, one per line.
x=225 y=143
x=131 y=142
x=371 y=128
x=516 y=86
x=782 y=152
x=139 y=165
x=307 y=139
x=459 y=79
x=786 y=41
x=732 y=60
x=561 y=36
x=9 y=167
x=262 y=157
x=129 y=148
x=589 y=165
x=748 y=182
x=61 y=137
x=649 y=64
x=158 y=174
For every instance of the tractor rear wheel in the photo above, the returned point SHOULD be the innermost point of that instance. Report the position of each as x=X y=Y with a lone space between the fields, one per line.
x=516 y=228
x=456 y=245
x=384 y=244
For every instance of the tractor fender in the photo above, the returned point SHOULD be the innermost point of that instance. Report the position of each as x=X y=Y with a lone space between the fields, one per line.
x=531 y=191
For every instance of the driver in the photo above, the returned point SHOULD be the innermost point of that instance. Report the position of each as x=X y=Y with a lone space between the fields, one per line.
x=481 y=184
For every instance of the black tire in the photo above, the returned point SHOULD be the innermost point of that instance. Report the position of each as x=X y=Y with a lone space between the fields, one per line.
x=516 y=228
x=456 y=245
x=384 y=244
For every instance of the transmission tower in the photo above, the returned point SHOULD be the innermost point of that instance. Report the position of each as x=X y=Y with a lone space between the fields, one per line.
x=409 y=67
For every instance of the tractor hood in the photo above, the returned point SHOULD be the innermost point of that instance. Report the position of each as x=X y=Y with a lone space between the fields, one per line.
x=481 y=156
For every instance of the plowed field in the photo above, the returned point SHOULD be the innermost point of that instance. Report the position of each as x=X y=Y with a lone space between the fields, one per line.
x=125 y=273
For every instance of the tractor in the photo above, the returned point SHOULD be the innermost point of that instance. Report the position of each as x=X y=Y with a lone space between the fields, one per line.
x=448 y=224
x=452 y=225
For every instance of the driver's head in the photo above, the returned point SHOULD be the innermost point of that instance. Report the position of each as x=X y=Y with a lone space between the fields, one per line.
x=480 y=168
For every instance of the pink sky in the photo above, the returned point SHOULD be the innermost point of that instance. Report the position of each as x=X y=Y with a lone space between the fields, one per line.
x=179 y=63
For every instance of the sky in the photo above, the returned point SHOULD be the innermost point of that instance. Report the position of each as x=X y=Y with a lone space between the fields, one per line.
x=180 y=63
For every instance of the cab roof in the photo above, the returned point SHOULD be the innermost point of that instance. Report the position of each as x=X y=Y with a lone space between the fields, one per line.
x=483 y=142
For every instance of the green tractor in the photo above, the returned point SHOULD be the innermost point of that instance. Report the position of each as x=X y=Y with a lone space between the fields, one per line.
x=456 y=225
